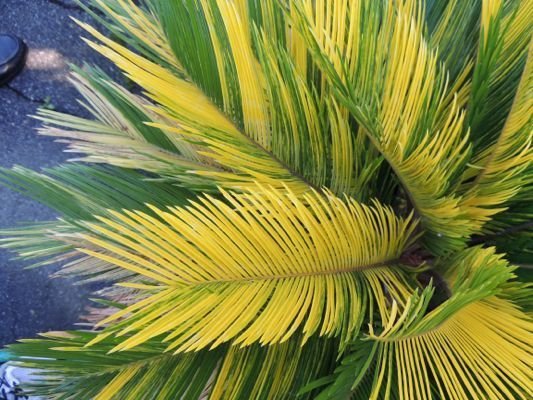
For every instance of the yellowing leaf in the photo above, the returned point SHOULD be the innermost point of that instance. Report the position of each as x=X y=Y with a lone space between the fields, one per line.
x=258 y=267
x=482 y=352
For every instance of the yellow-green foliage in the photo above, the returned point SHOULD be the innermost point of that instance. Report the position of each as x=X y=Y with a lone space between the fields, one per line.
x=296 y=199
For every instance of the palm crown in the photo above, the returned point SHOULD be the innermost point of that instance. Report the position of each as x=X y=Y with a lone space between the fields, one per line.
x=311 y=198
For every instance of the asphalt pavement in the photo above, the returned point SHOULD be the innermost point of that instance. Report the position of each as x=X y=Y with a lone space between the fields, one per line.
x=30 y=302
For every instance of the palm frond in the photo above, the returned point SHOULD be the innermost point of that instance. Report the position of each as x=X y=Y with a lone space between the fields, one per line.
x=453 y=351
x=135 y=25
x=473 y=366
x=272 y=372
x=418 y=128
x=223 y=272
x=78 y=192
x=68 y=367
x=504 y=165
x=238 y=111
x=505 y=35
x=460 y=359
x=198 y=119
x=119 y=136
x=281 y=175
x=325 y=149
x=33 y=242
x=68 y=370
x=448 y=20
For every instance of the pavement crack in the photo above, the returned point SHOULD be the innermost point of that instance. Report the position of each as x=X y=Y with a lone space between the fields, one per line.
x=41 y=102
x=20 y=93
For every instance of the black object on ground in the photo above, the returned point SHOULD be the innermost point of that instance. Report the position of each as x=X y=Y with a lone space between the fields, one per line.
x=12 y=57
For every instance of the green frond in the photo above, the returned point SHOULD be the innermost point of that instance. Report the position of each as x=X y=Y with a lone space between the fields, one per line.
x=226 y=273
x=448 y=20
x=501 y=171
x=511 y=232
x=273 y=372
x=197 y=45
x=34 y=242
x=351 y=377
x=505 y=35
x=78 y=192
x=70 y=370
x=55 y=242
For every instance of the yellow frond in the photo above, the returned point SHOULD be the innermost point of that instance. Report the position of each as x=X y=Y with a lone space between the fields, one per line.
x=481 y=352
x=257 y=270
x=474 y=345
x=250 y=79
x=424 y=162
x=342 y=149
x=197 y=119
x=110 y=116
x=401 y=97
x=295 y=44
x=192 y=105
x=141 y=26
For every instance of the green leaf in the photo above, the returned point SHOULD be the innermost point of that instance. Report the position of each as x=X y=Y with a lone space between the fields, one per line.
x=70 y=370
x=79 y=191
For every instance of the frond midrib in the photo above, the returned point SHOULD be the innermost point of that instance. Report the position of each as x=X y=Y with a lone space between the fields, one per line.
x=339 y=271
x=506 y=231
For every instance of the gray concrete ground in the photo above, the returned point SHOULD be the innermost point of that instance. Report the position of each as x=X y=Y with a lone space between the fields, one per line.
x=29 y=301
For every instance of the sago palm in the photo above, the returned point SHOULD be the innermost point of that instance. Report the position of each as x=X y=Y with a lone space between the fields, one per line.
x=310 y=199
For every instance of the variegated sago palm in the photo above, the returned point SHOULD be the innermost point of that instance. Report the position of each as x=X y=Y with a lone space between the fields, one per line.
x=311 y=198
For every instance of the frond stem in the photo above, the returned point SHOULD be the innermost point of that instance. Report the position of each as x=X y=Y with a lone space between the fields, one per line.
x=512 y=229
